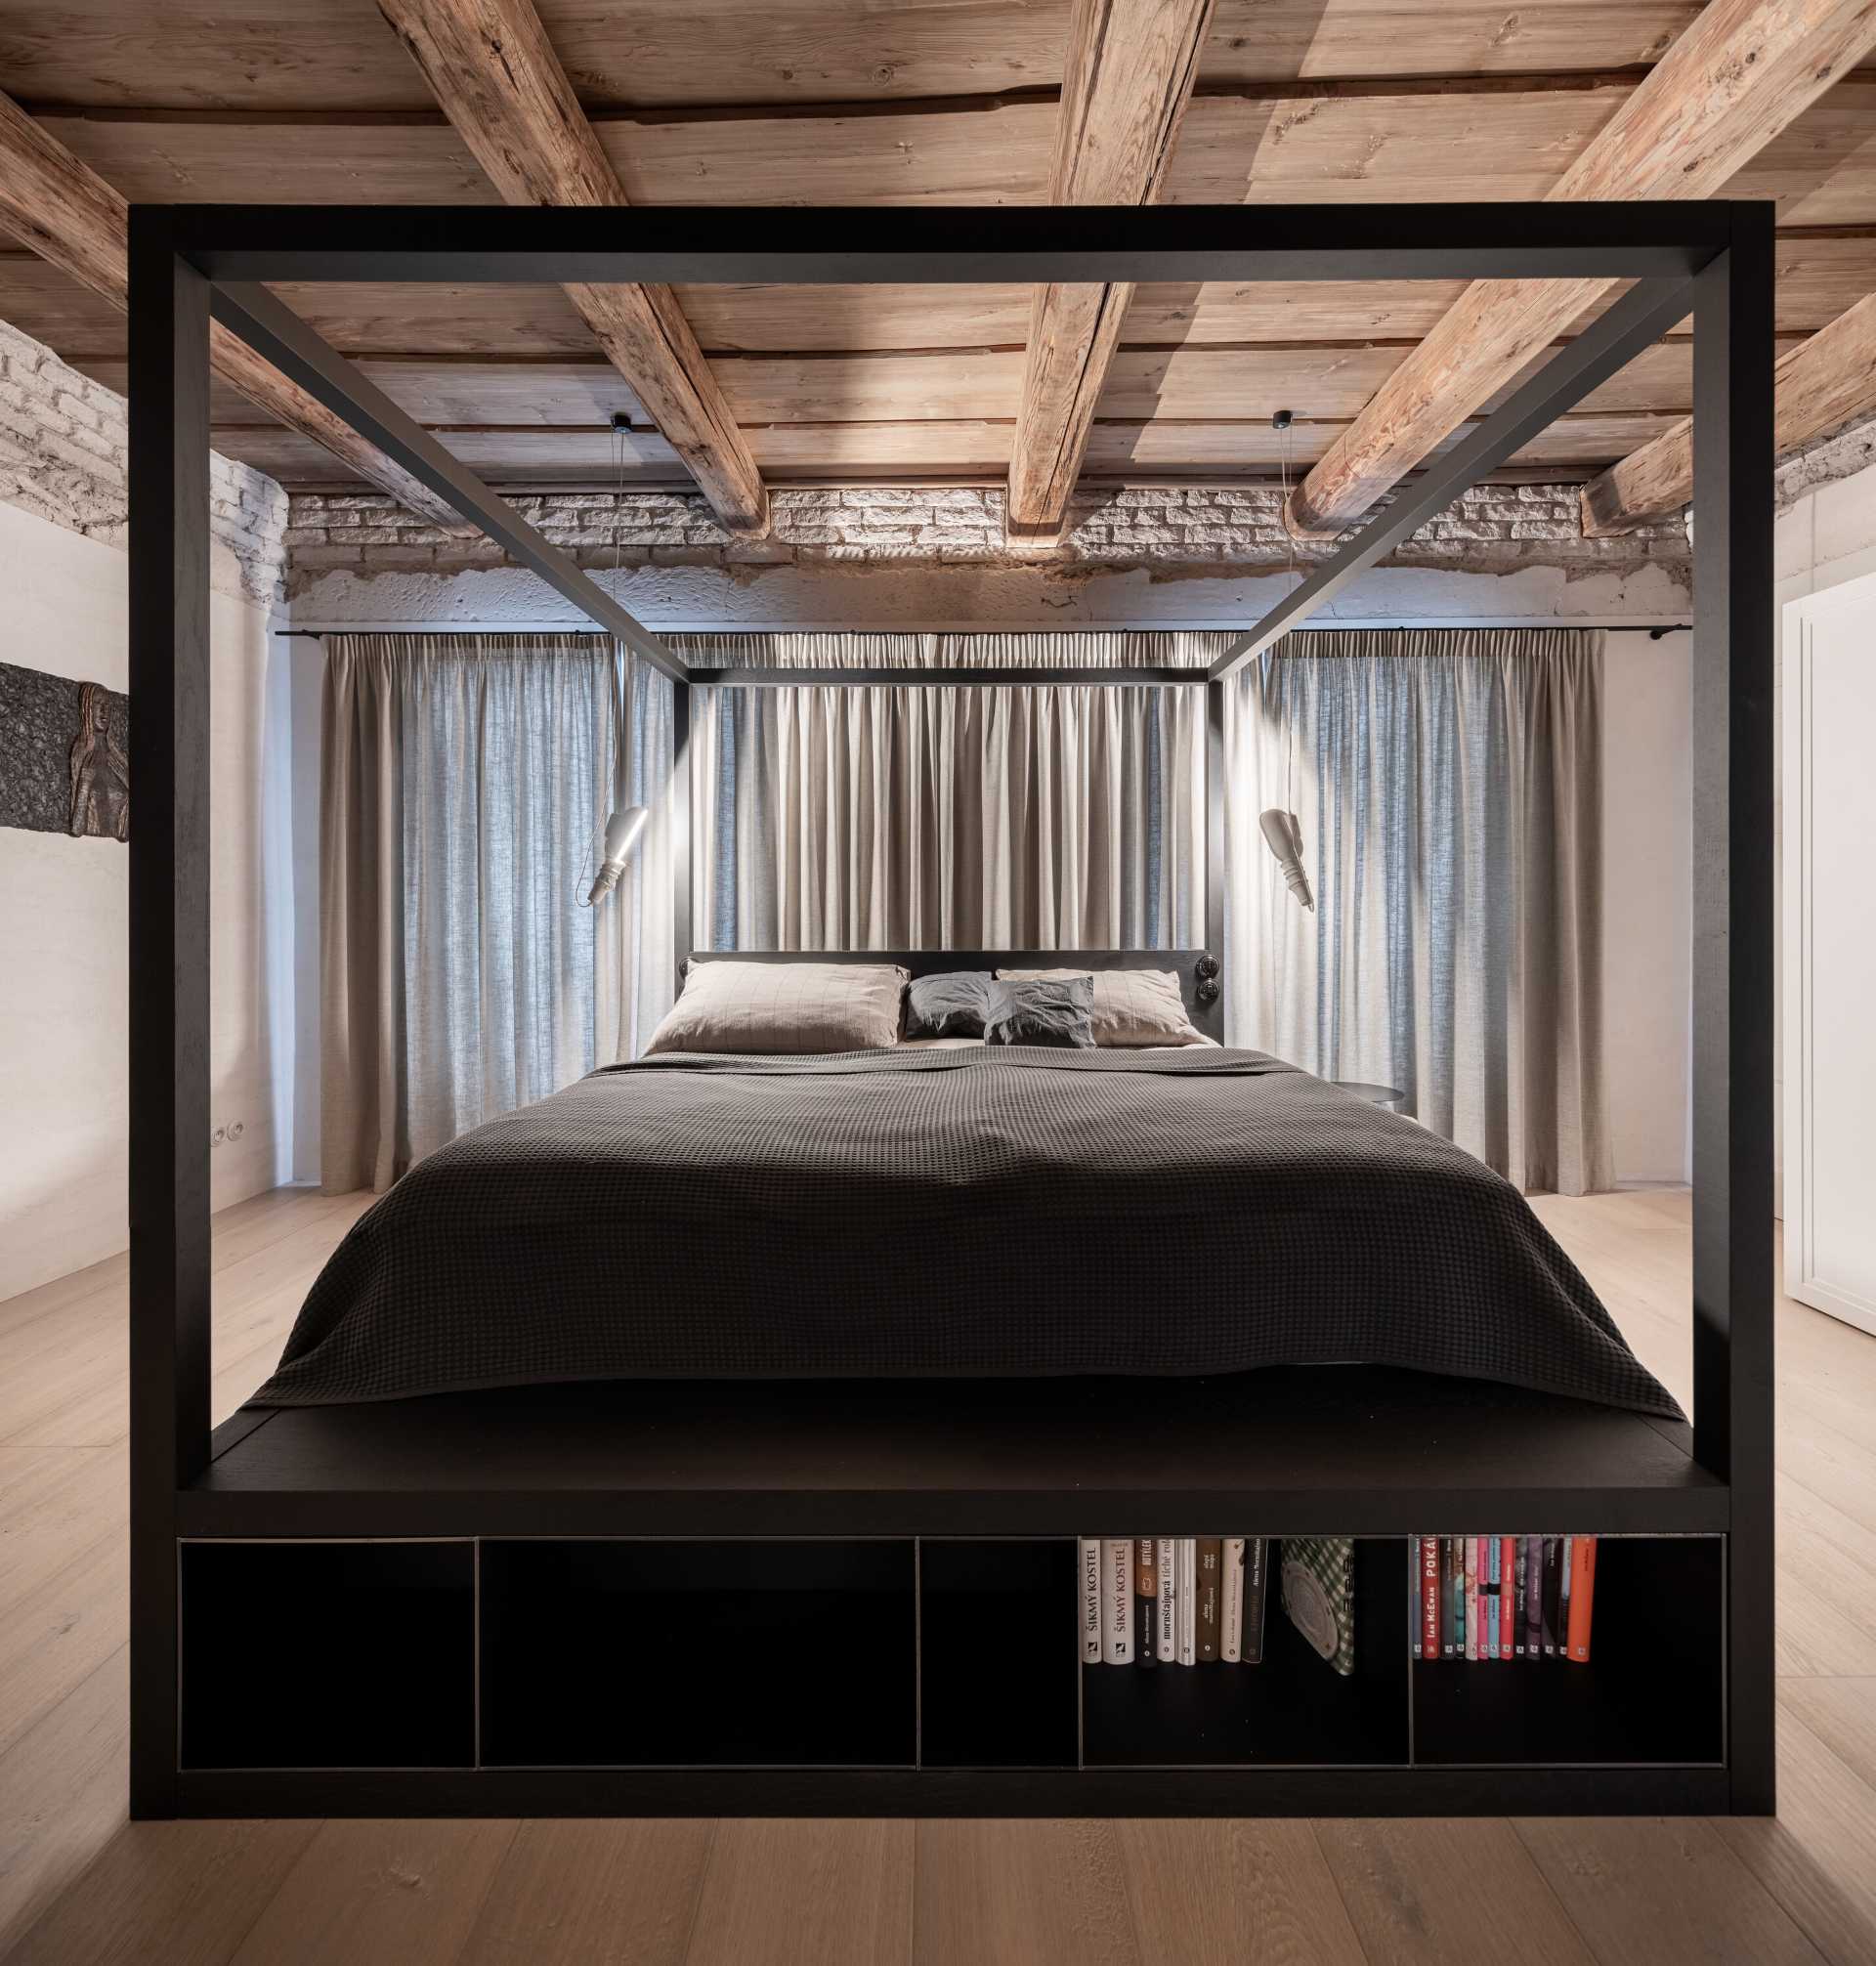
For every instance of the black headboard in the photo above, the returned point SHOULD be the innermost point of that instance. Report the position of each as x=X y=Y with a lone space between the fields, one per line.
x=1199 y=971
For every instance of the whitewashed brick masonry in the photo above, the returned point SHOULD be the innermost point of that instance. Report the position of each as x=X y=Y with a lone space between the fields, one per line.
x=1498 y=526
x=63 y=456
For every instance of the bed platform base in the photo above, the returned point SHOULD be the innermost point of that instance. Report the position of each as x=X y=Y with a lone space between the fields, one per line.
x=863 y=1599
x=860 y=1597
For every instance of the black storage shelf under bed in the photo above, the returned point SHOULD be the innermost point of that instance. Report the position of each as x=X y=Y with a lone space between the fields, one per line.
x=827 y=1658
x=803 y=1598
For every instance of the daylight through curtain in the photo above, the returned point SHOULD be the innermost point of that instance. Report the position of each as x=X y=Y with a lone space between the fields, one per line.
x=464 y=782
x=891 y=817
x=1449 y=789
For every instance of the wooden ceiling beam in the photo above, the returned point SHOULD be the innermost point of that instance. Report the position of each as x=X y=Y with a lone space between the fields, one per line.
x=1728 y=87
x=1820 y=387
x=70 y=217
x=1129 y=74
x=501 y=85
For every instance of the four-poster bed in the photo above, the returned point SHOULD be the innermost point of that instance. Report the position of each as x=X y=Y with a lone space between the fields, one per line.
x=454 y=1591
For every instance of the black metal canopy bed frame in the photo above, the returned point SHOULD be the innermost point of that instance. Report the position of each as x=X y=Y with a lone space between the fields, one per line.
x=380 y=1609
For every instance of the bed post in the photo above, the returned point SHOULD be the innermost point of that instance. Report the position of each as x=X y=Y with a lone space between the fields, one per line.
x=682 y=705
x=1732 y=951
x=1214 y=818
x=169 y=967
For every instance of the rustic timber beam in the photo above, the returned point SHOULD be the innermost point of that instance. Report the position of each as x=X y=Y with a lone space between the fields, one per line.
x=1583 y=365
x=73 y=219
x=499 y=82
x=268 y=325
x=1818 y=388
x=1726 y=87
x=1128 y=73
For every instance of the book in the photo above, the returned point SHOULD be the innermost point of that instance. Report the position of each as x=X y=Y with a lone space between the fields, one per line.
x=1146 y=1603
x=1452 y=1576
x=1231 y=1603
x=1117 y=1600
x=1534 y=1597
x=1168 y=1620
x=1091 y=1601
x=1507 y=1596
x=1488 y=1562
x=1567 y=1550
x=1582 y=1597
x=1471 y=1598
x=1428 y=1647
x=1521 y=1585
x=1209 y=1617
x=1416 y=1612
x=1257 y=1566
x=1186 y=1593
x=1553 y=1593
x=1319 y=1595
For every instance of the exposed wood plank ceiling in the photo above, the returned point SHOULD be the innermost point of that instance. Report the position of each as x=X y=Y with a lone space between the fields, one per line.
x=932 y=101
x=1129 y=66
x=494 y=73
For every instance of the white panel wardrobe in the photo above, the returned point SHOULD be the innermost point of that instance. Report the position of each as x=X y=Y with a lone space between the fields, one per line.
x=1831 y=950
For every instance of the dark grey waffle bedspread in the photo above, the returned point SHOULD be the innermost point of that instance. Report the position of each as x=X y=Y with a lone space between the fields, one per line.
x=976 y=1213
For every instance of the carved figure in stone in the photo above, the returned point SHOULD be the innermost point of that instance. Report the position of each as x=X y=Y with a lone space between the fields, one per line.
x=99 y=771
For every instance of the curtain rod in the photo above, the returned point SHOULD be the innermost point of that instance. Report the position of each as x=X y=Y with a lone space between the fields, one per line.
x=1654 y=630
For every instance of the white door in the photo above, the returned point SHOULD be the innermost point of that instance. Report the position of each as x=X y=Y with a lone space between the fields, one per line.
x=1831 y=950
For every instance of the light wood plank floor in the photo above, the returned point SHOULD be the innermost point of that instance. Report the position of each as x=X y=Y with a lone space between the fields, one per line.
x=78 y=1884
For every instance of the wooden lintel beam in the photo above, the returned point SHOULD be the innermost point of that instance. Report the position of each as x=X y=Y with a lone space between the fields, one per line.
x=496 y=75
x=61 y=208
x=1126 y=79
x=1727 y=86
x=1820 y=387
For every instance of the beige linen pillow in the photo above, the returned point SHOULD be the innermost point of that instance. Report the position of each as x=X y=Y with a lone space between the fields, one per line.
x=1134 y=1007
x=783 y=1006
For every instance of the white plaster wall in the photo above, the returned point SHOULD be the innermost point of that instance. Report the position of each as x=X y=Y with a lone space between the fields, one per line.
x=63 y=991
x=1648 y=903
x=293 y=757
x=1826 y=535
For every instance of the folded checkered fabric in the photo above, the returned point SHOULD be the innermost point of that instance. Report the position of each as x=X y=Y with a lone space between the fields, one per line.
x=990 y=1212
x=1319 y=1595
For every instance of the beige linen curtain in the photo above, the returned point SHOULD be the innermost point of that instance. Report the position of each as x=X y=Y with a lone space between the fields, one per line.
x=464 y=782
x=1449 y=786
x=934 y=817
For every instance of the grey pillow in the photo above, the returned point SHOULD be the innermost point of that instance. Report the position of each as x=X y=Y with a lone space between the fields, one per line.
x=1042 y=1011
x=951 y=1006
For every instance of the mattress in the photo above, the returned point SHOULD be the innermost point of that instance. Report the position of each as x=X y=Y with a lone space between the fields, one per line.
x=948 y=1212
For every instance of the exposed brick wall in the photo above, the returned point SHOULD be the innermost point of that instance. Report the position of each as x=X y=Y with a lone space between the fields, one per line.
x=64 y=450
x=1841 y=456
x=1494 y=527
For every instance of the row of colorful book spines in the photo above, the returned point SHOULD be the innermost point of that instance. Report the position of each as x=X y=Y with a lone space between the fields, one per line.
x=1173 y=1599
x=1497 y=1598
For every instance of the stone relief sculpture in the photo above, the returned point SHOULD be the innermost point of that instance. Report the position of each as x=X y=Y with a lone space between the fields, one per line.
x=99 y=771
